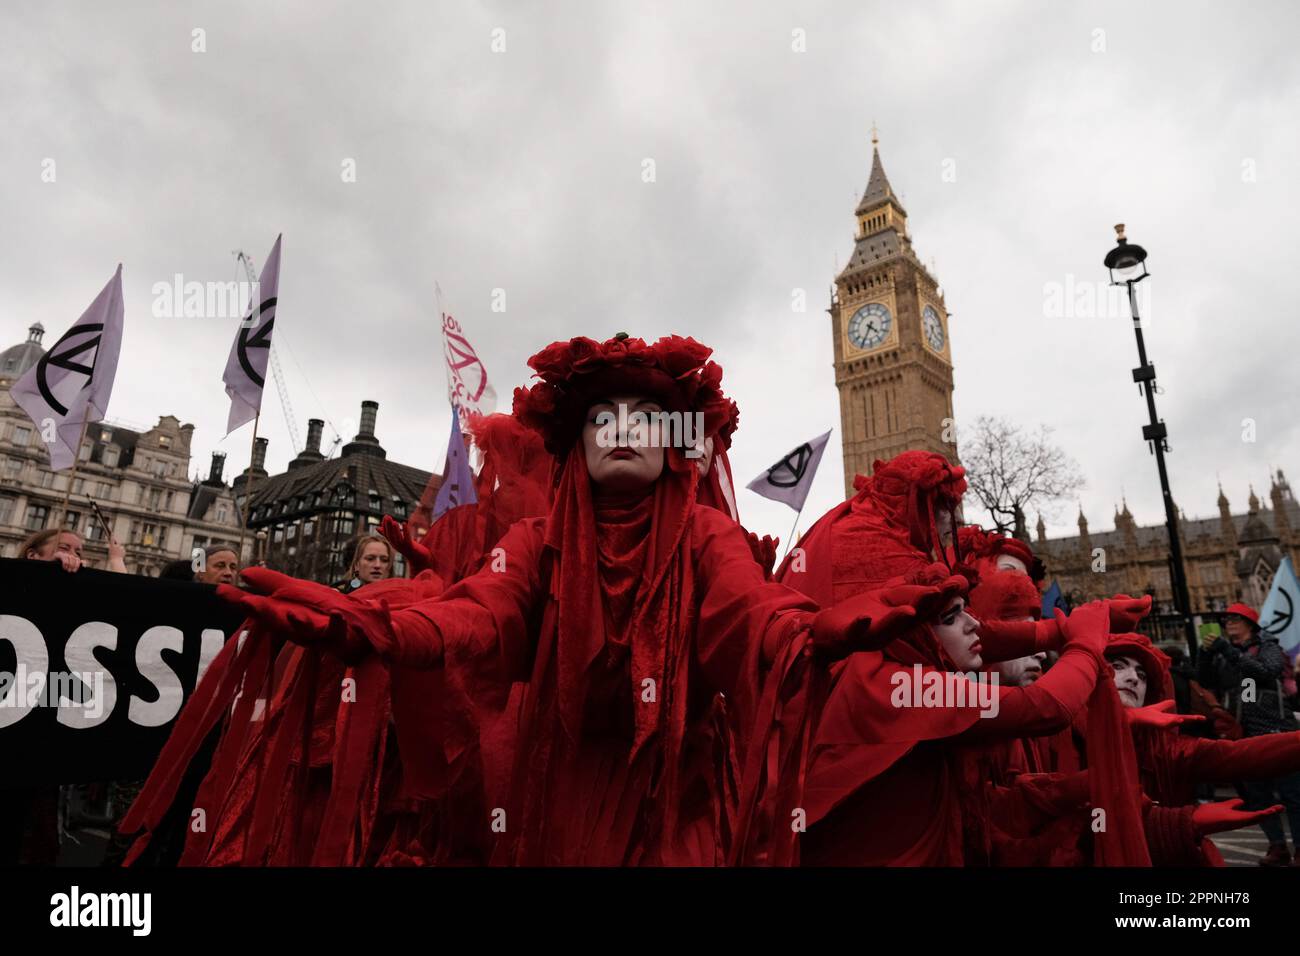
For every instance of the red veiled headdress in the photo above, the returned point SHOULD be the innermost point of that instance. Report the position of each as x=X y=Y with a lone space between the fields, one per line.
x=981 y=548
x=887 y=530
x=573 y=374
x=1005 y=596
x=1154 y=661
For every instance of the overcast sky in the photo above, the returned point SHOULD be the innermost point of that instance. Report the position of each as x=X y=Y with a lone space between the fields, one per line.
x=522 y=170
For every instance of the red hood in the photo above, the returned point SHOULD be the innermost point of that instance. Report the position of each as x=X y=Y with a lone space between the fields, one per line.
x=1155 y=662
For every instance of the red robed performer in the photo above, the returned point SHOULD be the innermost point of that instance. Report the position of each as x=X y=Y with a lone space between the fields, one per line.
x=628 y=609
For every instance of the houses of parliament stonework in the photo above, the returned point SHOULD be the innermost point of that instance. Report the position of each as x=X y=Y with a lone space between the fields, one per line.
x=894 y=372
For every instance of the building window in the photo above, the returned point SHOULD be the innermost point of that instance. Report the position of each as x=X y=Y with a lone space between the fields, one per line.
x=85 y=452
x=159 y=467
x=94 y=531
x=22 y=435
x=112 y=455
x=47 y=479
x=13 y=466
x=309 y=527
x=6 y=509
x=105 y=490
x=78 y=484
x=221 y=513
x=155 y=498
x=37 y=515
x=164 y=441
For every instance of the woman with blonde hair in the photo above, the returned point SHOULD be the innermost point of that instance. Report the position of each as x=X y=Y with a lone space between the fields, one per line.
x=372 y=560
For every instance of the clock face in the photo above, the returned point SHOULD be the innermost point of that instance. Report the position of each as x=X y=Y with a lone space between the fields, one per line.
x=870 y=325
x=933 y=327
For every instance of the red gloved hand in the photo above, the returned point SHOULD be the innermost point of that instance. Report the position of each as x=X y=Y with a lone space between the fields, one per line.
x=1125 y=612
x=295 y=622
x=1228 y=815
x=1087 y=626
x=417 y=555
x=1158 y=715
x=764 y=551
x=865 y=622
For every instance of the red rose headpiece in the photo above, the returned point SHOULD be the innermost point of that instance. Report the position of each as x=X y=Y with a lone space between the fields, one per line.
x=573 y=374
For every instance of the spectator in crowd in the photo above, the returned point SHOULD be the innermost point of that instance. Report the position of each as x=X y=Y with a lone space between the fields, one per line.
x=372 y=560
x=66 y=547
x=220 y=565
x=179 y=570
x=1250 y=668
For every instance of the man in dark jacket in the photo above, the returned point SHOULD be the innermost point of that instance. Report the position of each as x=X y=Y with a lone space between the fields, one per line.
x=1249 y=668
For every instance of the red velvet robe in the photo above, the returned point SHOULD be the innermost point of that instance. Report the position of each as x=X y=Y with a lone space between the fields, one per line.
x=611 y=770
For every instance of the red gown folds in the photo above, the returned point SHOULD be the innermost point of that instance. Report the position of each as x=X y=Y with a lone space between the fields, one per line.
x=626 y=637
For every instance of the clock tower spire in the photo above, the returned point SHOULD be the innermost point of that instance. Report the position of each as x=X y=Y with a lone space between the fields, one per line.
x=893 y=360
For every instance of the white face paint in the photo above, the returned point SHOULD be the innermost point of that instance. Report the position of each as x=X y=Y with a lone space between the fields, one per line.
x=958 y=633
x=625 y=460
x=1007 y=562
x=1130 y=681
x=1022 y=671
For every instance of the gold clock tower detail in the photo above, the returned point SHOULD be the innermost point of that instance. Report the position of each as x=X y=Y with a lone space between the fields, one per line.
x=893 y=359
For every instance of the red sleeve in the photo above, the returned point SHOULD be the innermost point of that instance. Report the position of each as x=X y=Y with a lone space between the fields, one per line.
x=1007 y=640
x=1045 y=707
x=740 y=611
x=1251 y=758
x=488 y=612
x=1172 y=838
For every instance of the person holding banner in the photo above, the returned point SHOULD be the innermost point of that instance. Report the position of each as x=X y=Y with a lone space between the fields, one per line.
x=65 y=547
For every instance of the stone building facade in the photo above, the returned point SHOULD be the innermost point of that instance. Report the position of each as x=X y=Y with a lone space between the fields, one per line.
x=1229 y=558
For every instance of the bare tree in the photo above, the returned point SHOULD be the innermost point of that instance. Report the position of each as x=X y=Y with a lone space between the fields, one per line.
x=1009 y=469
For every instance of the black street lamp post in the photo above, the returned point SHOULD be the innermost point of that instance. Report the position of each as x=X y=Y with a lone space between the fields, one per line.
x=1127 y=265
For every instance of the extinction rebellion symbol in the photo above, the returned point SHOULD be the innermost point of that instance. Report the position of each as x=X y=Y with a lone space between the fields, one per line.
x=1281 y=618
x=789 y=471
x=64 y=360
x=256 y=337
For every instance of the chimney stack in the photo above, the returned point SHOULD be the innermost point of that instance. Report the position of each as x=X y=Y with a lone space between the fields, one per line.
x=369 y=411
x=259 y=456
x=315 y=428
x=365 y=442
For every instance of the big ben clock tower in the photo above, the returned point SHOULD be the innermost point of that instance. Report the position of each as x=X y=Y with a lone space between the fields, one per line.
x=893 y=359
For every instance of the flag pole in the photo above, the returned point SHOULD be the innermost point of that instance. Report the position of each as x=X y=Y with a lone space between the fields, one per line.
x=76 y=460
x=790 y=544
x=247 y=511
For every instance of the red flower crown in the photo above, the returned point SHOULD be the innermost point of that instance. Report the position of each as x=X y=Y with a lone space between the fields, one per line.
x=573 y=374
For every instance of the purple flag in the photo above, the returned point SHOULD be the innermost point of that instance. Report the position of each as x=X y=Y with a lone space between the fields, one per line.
x=70 y=385
x=457 y=486
x=791 y=478
x=245 y=373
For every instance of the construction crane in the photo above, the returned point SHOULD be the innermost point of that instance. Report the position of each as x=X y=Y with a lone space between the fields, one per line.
x=285 y=405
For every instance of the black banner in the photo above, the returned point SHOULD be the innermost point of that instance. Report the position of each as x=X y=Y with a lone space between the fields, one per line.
x=94 y=667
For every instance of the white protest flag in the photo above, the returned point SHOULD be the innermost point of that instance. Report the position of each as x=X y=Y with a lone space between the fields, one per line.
x=1278 y=615
x=245 y=373
x=790 y=479
x=70 y=385
x=468 y=388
